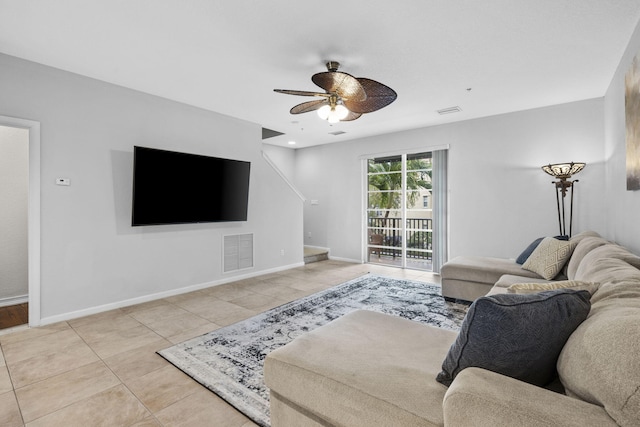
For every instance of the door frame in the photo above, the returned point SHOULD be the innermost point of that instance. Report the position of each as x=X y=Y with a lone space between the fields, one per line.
x=33 y=226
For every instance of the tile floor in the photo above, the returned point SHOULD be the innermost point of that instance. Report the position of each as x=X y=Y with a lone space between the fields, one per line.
x=102 y=370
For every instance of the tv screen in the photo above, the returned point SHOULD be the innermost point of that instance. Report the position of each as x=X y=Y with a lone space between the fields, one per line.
x=178 y=188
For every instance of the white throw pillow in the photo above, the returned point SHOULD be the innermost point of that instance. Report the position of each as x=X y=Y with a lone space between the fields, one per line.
x=530 y=288
x=549 y=257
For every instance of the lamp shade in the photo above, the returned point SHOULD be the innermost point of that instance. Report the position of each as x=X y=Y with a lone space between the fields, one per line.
x=563 y=170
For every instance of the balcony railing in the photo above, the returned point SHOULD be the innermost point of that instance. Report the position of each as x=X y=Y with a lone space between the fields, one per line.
x=385 y=237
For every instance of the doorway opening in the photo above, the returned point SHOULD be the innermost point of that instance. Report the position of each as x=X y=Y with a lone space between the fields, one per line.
x=20 y=212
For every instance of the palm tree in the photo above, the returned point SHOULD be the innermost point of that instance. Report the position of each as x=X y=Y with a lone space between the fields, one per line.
x=385 y=183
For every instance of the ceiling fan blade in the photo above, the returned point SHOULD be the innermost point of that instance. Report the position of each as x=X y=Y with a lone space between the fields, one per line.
x=344 y=85
x=305 y=107
x=351 y=116
x=301 y=93
x=378 y=96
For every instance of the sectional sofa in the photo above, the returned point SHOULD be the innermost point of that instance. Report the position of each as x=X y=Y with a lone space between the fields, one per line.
x=369 y=368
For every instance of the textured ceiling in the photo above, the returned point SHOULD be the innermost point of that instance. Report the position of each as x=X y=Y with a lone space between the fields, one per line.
x=228 y=56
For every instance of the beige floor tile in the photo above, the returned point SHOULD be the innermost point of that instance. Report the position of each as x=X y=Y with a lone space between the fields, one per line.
x=259 y=287
x=309 y=286
x=187 y=334
x=5 y=380
x=163 y=387
x=119 y=341
x=35 y=361
x=177 y=299
x=9 y=411
x=257 y=302
x=282 y=280
x=202 y=408
x=174 y=324
x=95 y=327
x=286 y=293
x=144 y=306
x=229 y=292
x=33 y=333
x=140 y=361
x=199 y=303
x=147 y=422
x=217 y=311
x=106 y=318
x=50 y=343
x=157 y=312
x=52 y=394
x=236 y=317
x=2 y=361
x=113 y=407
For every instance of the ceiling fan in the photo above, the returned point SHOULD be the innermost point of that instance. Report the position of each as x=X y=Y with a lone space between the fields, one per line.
x=345 y=98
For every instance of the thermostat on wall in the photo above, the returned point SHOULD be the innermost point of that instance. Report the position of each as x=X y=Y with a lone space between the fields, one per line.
x=63 y=181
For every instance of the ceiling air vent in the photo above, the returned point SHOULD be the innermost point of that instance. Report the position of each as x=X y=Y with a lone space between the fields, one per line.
x=450 y=110
x=336 y=133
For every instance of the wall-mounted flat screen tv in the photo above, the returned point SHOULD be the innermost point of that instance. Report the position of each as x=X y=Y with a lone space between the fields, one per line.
x=179 y=188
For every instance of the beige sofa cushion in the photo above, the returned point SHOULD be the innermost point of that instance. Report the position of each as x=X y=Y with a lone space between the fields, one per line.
x=600 y=362
x=364 y=369
x=482 y=398
x=482 y=269
x=608 y=263
x=583 y=247
x=530 y=288
x=549 y=257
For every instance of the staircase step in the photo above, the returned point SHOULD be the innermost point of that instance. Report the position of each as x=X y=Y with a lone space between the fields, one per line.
x=315 y=254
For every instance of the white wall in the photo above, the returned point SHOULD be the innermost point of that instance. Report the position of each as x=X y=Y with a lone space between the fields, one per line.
x=622 y=206
x=283 y=158
x=92 y=258
x=14 y=189
x=499 y=197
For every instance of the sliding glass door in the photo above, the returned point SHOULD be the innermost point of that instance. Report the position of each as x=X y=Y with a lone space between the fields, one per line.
x=400 y=210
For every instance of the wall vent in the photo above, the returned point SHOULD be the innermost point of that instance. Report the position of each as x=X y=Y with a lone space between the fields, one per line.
x=450 y=110
x=237 y=252
x=270 y=133
x=336 y=133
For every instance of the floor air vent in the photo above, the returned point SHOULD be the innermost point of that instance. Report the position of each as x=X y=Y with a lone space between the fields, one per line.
x=237 y=252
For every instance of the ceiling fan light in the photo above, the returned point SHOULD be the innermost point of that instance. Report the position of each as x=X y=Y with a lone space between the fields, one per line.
x=341 y=111
x=333 y=117
x=323 y=112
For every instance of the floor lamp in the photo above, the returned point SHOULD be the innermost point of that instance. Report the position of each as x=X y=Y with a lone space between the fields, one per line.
x=564 y=171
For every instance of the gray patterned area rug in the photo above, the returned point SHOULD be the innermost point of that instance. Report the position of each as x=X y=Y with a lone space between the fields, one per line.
x=229 y=361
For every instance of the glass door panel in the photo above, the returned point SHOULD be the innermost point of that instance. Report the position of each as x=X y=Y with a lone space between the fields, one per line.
x=399 y=211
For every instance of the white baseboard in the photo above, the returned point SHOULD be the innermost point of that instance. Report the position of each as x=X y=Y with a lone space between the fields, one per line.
x=152 y=297
x=21 y=299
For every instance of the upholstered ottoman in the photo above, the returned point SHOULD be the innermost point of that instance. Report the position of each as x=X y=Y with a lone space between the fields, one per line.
x=363 y=369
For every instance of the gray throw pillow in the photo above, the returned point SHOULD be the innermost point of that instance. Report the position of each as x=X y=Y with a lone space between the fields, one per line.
x=524 y=256
x=518 y=335
x=528 y=251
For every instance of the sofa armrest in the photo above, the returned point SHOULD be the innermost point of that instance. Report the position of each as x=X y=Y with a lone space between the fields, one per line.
x=478 y=397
